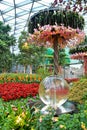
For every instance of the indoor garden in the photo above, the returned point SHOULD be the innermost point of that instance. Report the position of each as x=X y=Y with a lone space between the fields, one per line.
x=35 y=93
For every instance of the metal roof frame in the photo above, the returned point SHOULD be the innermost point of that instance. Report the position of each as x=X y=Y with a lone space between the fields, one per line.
x=17 y=13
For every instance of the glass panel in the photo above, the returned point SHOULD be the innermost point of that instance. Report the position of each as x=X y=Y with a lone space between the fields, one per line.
x=23 y=8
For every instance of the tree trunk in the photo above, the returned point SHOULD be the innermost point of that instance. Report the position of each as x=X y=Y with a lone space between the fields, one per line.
x=30 y=69
x=55 y=47
x=60 y=69
x=16 y=68
x=4 y=70
x=25 y=67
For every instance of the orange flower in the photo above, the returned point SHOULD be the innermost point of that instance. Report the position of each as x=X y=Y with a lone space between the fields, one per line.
x=30 y=77
x=39 y=78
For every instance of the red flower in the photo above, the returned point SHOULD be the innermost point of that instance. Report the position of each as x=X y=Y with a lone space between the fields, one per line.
x=12 y=91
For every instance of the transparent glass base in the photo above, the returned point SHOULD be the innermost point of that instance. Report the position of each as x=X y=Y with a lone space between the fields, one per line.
x=67 y=107
x=53 y=91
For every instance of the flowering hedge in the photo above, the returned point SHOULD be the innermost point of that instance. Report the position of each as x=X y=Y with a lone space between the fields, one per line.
x=12 y=91
x=19 y=77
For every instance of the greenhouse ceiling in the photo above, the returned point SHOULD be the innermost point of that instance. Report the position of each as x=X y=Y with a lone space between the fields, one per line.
x=17 y=13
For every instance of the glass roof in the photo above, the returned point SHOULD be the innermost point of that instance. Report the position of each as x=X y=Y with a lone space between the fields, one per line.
x=17 y=13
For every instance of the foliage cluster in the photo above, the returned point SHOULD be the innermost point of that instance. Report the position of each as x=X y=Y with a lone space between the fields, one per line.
x=6 y=41
x=30 y=54
x=17 y=115
x=78 y=91
x=44 y=72
x=62 y=55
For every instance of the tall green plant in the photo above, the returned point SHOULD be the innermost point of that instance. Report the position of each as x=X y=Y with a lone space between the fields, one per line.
x=6 y=41
x=30 y=54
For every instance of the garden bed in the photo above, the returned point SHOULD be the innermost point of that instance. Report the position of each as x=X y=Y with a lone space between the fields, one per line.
x=20 y=109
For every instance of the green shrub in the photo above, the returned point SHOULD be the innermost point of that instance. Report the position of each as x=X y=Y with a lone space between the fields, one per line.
x=44 y=72
x=78 y=91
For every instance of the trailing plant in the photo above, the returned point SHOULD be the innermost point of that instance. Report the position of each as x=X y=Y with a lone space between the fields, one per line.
x=80 y=48
x=52 y=16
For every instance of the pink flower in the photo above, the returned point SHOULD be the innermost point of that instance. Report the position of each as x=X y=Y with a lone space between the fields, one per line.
x=46 y=33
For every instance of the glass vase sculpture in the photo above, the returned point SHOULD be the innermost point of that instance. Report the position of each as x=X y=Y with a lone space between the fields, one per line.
x=53 y=91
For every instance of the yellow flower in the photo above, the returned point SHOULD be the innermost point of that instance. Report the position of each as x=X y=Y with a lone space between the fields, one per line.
x=85 y=111
x=41 y=118
x=23 y=115
x=32 y=128
x=83 y=126
x=39 y=78
x=14 y=79
x=19 y=121
x=30 y=77
x=55 y=118
x=36 y=110
x=35 y=77
x=19 y=77
x=22 y=78
x=62 y=126
x=27 y=77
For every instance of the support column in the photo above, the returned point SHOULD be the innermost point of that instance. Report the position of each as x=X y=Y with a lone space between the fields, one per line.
x=56 y=58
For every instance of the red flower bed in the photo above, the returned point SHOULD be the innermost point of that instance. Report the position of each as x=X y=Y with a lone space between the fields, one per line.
x=12 y=91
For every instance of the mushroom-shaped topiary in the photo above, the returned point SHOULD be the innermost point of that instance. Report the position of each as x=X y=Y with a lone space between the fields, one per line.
x=56 y=36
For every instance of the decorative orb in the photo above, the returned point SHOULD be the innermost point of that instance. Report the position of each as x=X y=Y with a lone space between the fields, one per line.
x=53 y=91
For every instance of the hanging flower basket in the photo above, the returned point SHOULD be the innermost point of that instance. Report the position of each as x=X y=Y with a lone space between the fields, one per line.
x=79 y=56
x=65 y=35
